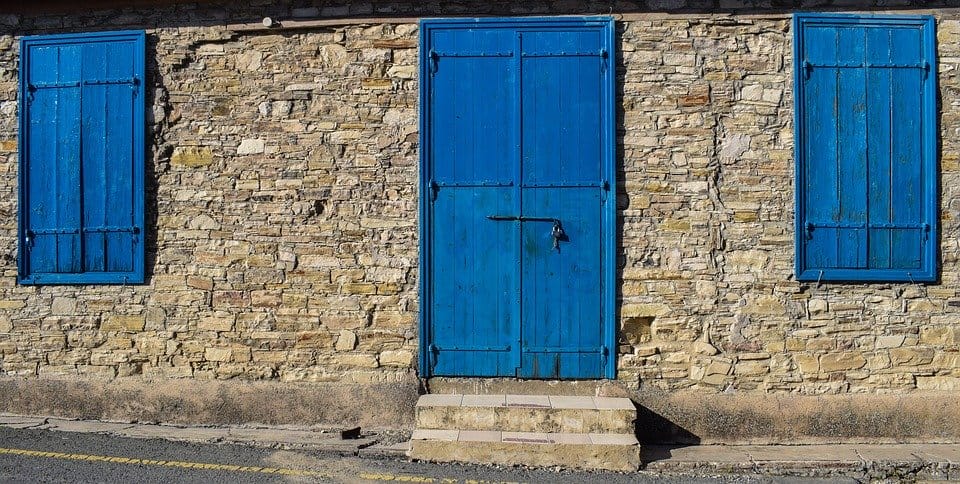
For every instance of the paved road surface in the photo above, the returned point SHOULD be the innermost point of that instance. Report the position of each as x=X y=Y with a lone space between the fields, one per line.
x=29 y=456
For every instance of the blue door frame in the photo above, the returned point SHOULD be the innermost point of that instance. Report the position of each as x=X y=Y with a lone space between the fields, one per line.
x=488 y=235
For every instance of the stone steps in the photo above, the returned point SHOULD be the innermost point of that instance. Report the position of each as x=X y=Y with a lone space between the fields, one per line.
x=535 y=430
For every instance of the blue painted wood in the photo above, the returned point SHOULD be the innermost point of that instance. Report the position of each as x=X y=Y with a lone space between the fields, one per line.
x=879 y=135
x=519 y=123
x=81 y=210
x=906 y=115
x=851 y=150
x=562 y=142
x=821 y=177
x=473 y=141
x=866 y=135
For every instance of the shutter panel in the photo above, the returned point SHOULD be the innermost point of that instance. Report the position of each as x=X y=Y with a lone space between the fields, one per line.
x=82 y=196
x=866 y=135
x=53 y=111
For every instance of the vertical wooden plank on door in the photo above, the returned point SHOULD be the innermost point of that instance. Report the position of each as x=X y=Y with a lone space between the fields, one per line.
x=907 y=150
x=852 y=149
x=878 y=145
x=820 y=161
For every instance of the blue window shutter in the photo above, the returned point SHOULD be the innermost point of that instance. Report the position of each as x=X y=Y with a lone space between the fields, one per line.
x=82 y=158
x=865 y=90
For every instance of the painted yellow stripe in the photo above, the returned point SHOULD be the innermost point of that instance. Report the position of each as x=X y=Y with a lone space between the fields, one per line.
x=226 y=467
x=162 y=463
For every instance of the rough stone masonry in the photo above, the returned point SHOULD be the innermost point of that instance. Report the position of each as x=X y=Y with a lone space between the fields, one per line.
x=282 y=233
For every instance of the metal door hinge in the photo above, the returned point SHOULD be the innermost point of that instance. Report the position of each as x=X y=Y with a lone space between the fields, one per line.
x=432 y=353
x=433 y=61
x=434 y=188
x=604 y=60
x=807 y=69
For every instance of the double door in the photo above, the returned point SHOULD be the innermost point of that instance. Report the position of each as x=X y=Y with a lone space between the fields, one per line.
x=517 y=198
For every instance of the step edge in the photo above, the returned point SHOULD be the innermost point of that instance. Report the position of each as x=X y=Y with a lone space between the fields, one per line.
x=454 y=436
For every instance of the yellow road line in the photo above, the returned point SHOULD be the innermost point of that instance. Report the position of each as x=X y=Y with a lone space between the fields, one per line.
x=162 y=463
x=226 y=467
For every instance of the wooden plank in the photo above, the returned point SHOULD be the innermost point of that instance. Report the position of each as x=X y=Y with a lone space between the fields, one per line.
x=820 y=173
x=852 y=149
x=879 y=186
x=906 y=154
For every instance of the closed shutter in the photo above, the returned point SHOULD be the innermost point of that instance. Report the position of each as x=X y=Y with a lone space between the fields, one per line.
x=81 y=177
x=866 y=127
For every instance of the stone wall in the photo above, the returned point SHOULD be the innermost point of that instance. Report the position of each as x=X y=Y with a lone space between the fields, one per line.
x=282 y=215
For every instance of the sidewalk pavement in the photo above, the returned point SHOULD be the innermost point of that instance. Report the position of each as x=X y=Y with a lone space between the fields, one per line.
x=931 y=461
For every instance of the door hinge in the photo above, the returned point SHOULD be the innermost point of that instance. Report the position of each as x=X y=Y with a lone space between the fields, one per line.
x=433 y=61
x=807 y=69
x=604 y=354
x=432 y=353
x=434 y=188
x=605 y=190
x=604 y=60
x=926 y=69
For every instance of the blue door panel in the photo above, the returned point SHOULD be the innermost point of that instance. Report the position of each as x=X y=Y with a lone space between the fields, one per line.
x=473 y=107
x=474 y=283
x=562 y=116
x=517 y=130
x=562 y=324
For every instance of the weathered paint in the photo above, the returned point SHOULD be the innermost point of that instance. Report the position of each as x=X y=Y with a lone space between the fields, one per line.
x=866 y=178
x=518 y=130
x=81 y=186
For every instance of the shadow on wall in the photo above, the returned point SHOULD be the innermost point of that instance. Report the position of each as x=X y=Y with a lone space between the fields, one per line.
x=653 y=428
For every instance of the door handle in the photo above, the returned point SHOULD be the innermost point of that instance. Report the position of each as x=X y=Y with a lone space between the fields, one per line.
x=522 y=218
x=556 y=232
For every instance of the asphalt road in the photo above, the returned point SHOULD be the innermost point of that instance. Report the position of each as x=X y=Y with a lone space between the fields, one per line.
x=31 y=456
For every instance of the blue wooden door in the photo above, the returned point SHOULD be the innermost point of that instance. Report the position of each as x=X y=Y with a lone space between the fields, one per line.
x=517 y=208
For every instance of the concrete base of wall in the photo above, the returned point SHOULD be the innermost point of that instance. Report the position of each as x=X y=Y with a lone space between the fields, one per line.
x=378 y=405
x=710 y=418
x=663 y=418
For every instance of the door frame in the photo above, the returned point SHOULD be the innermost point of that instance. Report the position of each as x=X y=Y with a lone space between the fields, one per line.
x=608 y=168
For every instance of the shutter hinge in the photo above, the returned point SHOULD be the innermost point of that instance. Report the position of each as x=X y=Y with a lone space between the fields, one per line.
x=432 y=355
x=135 y=85
x=926 y=231
x=136 y=235
x=28 y=240
x=604 y=355
x=807 y=69
x=809 y=228
x=31 y=89
x=434 y=60
x=604 y=63
x=434 y=190
x=926 y=69
x=605 y=187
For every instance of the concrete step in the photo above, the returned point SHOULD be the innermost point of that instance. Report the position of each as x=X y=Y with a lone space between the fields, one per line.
x=615 y=452
x=526 y=413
